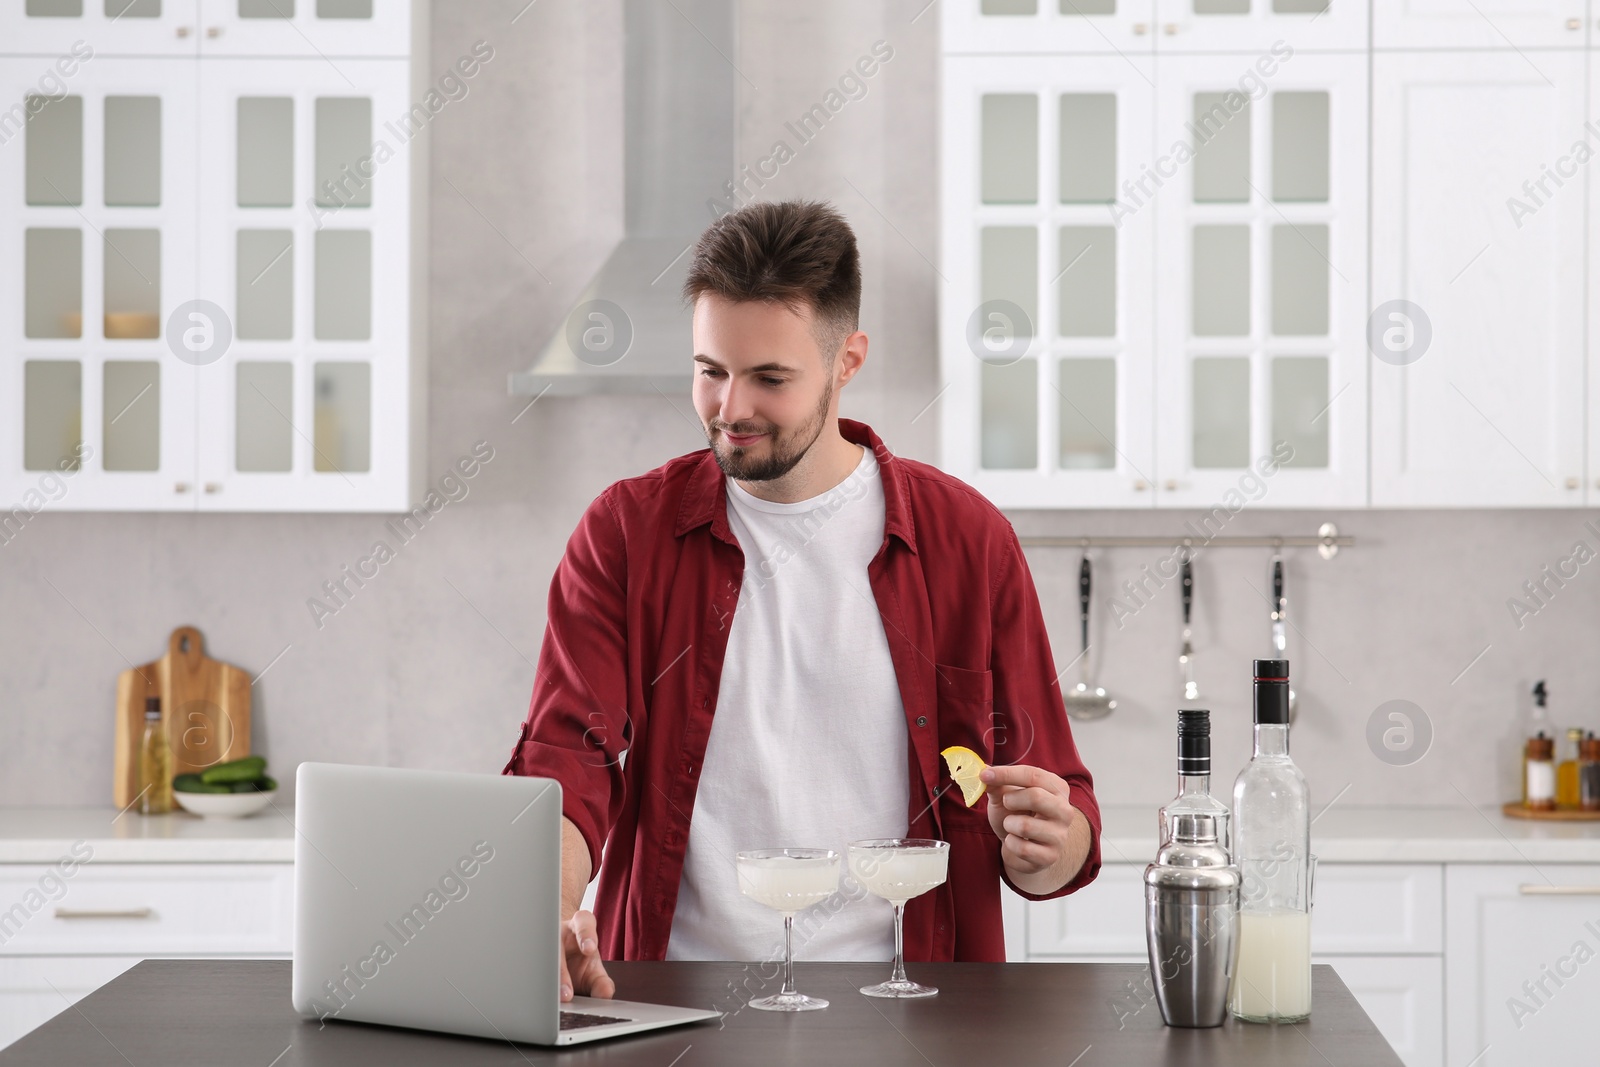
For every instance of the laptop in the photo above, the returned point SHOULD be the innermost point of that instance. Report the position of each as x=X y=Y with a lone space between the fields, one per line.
x=432 y=900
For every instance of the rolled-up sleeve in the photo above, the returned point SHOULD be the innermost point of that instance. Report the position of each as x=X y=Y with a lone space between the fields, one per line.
x=578 y=725
x=1031 y=726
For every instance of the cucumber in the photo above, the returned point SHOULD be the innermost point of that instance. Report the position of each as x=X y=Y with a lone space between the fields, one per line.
x=192 y=783
x=239 y=770
x=252 y=786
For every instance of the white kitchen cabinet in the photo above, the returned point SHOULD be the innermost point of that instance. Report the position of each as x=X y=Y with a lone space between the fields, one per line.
x=213 y=270
x=1521 y=963
x=323 y=30
x=1046 y=329
x=1258 y=25
x=1113 y=27
x=1378 y=925
x=109 y=28
x=1261 y=267
x=311 y=261
x=97 y=241
x=66 y=936
x=1524 y=24
x=1490 y=410
x=35 y=989
x=1404 y=997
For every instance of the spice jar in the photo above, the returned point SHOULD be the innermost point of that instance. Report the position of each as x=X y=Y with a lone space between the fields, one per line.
x=1589 y=773
x=1539 y=774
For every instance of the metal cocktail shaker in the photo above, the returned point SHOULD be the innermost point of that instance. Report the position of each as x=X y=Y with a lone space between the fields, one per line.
x=1191 y=908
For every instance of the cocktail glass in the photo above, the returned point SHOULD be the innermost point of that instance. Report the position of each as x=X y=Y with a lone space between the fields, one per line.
x=788 y=880
x=898 y=869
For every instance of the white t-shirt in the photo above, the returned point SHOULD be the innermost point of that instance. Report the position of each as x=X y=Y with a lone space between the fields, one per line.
x=808 y=743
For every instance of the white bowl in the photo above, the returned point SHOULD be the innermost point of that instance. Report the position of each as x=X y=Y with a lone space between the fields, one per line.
x=223 y=805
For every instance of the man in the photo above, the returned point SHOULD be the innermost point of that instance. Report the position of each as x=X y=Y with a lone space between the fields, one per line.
x=768 y=643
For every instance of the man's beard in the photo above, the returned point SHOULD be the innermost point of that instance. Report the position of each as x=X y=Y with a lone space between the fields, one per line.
x=784 y=450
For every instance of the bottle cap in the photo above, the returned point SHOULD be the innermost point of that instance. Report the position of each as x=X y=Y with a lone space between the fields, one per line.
x=152 y=707
x=1540 y=693
x=1272 y=692
x=1541 y=747
x=1589 y=748
x=1194 y=741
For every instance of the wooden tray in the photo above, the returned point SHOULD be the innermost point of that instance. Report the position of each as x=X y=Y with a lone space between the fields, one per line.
x=204 y=704
x=1516 y=811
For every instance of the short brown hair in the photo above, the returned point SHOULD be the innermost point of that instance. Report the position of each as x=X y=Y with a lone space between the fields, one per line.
x=798 y=253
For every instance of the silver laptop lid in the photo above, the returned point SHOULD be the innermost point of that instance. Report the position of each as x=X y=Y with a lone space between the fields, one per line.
x=428 y=899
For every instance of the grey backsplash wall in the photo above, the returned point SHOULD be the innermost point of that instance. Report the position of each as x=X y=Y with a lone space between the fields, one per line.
x=431 y=663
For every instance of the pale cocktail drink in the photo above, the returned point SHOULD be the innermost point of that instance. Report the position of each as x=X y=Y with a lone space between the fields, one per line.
x=788 y=880
x=898 y=869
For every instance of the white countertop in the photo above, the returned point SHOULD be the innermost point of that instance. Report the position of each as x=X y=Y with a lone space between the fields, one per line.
x=1351 y=834
x=1340 y=834
x=44 y=835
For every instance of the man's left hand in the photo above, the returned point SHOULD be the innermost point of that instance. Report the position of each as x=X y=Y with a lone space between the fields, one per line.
x=1030 y=810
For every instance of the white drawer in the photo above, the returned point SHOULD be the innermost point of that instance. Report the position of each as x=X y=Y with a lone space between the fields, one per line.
x=147 y=908
x=1378 y=908
x=1360 y=909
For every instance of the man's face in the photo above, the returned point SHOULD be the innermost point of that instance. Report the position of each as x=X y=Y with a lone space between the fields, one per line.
x=761 y=386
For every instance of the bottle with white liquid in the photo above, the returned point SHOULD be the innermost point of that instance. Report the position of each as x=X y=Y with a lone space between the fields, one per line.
x=1272 y=848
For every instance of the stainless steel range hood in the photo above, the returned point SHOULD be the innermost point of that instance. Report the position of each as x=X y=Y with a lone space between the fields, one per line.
x=628 y=331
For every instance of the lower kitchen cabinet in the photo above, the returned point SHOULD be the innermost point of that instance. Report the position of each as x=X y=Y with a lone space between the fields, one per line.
x=64 y=937
x=1378 y=924
x=1523 y=977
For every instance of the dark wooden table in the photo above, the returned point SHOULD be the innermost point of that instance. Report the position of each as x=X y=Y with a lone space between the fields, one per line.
x=220 y=1013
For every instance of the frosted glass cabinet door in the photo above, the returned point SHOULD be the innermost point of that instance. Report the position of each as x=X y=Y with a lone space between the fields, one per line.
x=97 y=222
x=305 y=211
x=1261 y=251
x=1477 y=401
x=971 y=27
x=1279 y=27
x=1045 y=341
x=306 y=29
x=71 y=29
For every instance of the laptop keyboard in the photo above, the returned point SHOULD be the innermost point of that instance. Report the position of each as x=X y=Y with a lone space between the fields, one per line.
x=580 y=1020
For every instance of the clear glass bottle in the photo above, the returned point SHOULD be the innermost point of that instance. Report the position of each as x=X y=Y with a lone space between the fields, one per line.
x=155 y=763
x=1272 y=836
x=1539 y=773
x=1194 y=780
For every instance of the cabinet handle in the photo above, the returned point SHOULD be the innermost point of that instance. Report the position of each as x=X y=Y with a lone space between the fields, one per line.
x=183 y=31
x=1170 y=29
x=213 y=31
x=213 y=487
x=180 y=487
x=1574 y=24
x=1172 y=485
x=1559 y=890
x=104 y=913
x=1573 y=483
x=1141 y=485
x=1140 y=29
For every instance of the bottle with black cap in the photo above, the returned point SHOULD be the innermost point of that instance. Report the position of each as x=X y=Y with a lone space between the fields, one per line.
x=1272 y=839
x=1194 y=780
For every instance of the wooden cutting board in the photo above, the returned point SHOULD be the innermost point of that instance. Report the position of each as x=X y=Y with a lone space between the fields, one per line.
x=204 y=704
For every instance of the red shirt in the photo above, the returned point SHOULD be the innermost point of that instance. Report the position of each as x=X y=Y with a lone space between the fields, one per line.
x=638 y=623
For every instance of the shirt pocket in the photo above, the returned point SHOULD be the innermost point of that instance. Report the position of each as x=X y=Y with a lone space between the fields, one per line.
x=965 y=706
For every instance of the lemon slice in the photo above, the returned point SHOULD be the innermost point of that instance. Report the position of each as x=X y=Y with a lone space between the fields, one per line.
x=965 y=766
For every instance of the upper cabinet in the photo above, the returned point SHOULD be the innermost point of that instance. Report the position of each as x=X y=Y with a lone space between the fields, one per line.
x=1133 y=27
x=1478 y=246
x=283 y=28
x=212 y=271
x=1479 y=23
x=1259 y=25
x=1047 y=326
x=1381 y=301
x=1261 y=270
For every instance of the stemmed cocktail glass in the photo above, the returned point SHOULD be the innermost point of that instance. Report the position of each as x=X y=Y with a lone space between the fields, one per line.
x=898 y=869
x=788 y=880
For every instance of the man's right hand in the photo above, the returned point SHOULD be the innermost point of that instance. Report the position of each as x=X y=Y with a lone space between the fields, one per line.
x=582 y=972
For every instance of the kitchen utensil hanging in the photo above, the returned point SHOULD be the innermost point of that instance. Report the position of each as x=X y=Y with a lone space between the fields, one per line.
x=1084 y=702
x=1280 y=622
